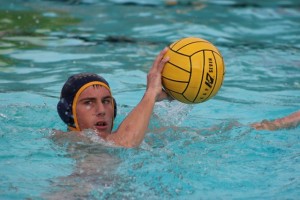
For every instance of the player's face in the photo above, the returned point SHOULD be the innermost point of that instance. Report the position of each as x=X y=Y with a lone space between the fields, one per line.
x=95 y=109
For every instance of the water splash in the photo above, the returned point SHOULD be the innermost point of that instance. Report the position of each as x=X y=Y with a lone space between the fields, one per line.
x=171 y=113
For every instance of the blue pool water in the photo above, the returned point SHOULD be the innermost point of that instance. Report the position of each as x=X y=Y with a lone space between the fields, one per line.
x=204 y=151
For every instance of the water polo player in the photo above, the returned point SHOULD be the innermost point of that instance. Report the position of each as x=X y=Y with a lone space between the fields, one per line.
x=79 y=97
x=86 y=102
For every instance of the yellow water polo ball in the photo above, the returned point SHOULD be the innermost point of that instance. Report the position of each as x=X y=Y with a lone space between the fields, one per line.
x=195 y=71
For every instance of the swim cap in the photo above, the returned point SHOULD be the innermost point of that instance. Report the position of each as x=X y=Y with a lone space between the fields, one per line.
x=70 y=93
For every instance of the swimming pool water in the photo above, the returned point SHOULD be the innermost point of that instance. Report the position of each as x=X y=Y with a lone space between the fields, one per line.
x=204 y=151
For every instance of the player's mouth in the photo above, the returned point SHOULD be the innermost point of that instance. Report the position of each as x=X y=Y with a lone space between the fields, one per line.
x=101 y=125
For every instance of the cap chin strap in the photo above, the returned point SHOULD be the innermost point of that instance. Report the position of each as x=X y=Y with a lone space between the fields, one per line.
x=77 y=128
x=70 y=128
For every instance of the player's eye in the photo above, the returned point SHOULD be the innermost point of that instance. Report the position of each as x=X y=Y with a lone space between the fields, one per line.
x=106 y=101
x=87 y=102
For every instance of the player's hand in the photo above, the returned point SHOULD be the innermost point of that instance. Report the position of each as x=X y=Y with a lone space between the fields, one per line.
x=154 y=83
x=265 y=125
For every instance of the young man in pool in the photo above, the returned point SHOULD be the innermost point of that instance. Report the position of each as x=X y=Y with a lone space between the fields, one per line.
x=86 y=102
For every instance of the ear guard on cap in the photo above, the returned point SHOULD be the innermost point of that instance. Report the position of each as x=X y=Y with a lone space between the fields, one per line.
x=64 y=110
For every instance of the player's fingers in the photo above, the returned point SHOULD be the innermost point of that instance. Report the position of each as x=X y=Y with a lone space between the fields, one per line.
x=159 y=58
x=162 y=63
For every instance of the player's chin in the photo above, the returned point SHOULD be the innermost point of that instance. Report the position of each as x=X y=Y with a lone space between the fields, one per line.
x=103 y=131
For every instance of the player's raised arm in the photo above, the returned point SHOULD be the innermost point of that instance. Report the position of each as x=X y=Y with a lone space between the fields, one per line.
x=132 y=130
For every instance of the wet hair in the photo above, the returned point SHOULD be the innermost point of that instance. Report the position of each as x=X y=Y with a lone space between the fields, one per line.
x=71 y=91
